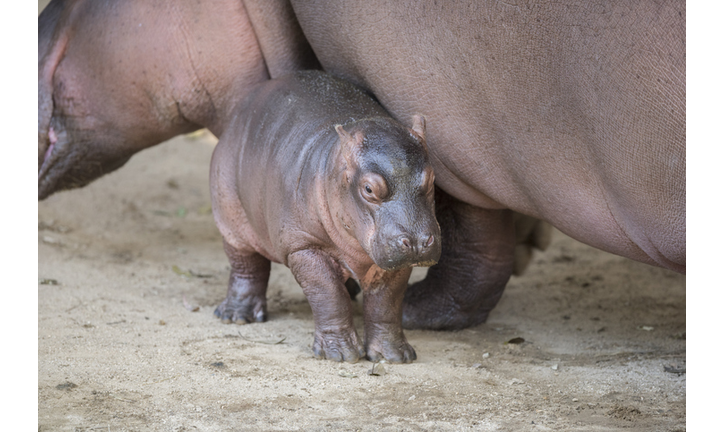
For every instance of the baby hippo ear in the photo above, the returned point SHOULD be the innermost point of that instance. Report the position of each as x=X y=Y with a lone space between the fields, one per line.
x=418 y=126
x=351 y=145
x=344 y=136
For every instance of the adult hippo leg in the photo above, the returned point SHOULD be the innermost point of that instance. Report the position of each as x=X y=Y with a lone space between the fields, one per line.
x=477 y=261
x=245 y=300
x=383 y=295
x=323 y=283
x=530 y=234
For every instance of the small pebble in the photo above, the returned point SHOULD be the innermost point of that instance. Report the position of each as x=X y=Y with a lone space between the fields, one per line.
x=346 y=374
x=48 y=282
x=486 y=355
x=377 y=369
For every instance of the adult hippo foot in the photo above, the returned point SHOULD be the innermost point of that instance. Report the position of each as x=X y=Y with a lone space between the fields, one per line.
x=477 y=260
x=429 y=306
x=338 y=345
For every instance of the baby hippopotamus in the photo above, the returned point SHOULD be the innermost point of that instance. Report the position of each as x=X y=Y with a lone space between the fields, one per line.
x=313 y=173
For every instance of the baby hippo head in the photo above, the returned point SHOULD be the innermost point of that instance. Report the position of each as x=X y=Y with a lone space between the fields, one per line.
x=388 y=194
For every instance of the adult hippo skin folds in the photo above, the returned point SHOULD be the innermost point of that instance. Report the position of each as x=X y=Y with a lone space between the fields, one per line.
x=569 y=112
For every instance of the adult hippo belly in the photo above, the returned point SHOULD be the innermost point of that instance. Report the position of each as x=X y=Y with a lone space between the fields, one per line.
x=571 y=112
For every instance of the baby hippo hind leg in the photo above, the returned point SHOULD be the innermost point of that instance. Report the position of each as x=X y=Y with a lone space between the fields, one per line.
x=476 y=262
x=384 y=338
x=245 y=300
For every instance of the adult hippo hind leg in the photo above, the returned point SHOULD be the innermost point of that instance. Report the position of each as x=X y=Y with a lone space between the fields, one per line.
x=530 y=234
x=245 y=300
x=477 y=261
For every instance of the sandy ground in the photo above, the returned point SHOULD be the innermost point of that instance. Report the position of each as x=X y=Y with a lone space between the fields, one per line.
x=123 y=262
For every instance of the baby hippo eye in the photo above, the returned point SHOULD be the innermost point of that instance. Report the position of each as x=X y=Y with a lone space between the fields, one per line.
x=374 y=188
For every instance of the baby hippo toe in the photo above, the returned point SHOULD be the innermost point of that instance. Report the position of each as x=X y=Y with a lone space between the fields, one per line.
x=393 y=352
x=338 y=347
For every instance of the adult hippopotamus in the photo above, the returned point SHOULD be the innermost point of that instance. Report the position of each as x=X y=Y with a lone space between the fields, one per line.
x=118 y=76
x=313 y=173
x=569 y=111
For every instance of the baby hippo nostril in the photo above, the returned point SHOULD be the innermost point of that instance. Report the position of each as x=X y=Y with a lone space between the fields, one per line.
x=404 y=243
x=415 y=245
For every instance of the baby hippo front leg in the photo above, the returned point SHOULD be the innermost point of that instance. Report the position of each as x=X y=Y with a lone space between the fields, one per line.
x=245 y=300
x=383 y=294
x=323 y=283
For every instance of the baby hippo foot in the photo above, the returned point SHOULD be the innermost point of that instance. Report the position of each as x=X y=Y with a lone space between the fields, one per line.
x=338 y=346
x=245 y=301
x=394 y=351
x=242 y=311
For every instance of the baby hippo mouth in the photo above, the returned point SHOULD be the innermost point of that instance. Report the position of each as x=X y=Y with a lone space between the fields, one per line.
x=406 y=250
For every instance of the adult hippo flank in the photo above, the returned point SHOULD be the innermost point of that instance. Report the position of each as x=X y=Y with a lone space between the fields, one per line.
x=570 y=112
x=314 y=174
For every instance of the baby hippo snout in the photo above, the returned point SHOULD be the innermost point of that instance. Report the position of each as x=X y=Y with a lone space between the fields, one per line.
x=416 y=246
x=407 y=249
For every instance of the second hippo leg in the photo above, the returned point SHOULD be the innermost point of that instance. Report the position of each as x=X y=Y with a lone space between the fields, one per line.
x=323 y=283
x=476 y=262
x=352 y=288
x=530 y=233
x=246 y=296
x=382 y=299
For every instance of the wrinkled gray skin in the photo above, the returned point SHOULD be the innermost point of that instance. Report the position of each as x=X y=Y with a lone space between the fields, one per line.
x=572 y=112
x=569 y=111
x=313 y=173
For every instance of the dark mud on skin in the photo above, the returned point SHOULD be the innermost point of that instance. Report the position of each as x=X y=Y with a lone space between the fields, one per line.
x=124 y=262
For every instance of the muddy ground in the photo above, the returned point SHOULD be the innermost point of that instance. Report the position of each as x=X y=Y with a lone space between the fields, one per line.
x=123 y=262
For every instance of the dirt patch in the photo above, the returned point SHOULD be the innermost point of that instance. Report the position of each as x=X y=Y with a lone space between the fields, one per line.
x=124 y=262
